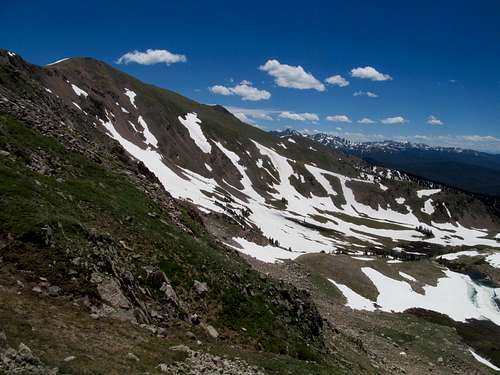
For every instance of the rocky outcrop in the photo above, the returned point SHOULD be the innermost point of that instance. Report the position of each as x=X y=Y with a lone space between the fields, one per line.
x=205 y=363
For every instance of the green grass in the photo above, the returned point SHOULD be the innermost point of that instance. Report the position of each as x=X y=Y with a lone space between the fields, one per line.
x=81 y=197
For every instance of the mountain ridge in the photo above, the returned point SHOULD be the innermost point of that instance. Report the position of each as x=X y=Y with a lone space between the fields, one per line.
x=447 y=165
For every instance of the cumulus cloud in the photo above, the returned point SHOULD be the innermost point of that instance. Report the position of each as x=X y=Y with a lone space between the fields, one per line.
x=432 y=120
x=220 y=90
x=252 y=114
x=151 y=56
x=245 y=82
x=365 y=93
x=370 y=73
x=306 y=116
x=337 y=80
x=366 y=120
x=243 y=90
x=291 y=76
x=338 y=118
x=394 y=120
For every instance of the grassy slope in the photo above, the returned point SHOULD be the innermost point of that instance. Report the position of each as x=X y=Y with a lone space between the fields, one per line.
x=81 y=196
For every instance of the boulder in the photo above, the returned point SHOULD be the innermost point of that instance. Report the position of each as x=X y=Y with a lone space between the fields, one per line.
x=201 y=288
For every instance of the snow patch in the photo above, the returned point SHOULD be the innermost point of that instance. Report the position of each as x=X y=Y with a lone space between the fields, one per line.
x=427 y=192
x=484 y=361
x=131 y=95
x=455 y=295
x=494 y=260
x=58 y=61
x=150 y=138
x=268 y=253
x=192 y=123
x=428 y=207
x=454 y=256
x=78 y=91
x=354 y=300
x=406 y=276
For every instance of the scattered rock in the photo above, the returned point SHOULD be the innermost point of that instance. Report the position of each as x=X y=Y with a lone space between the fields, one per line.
x=205 y=363
x=170 y=293
x=132 y=357
x=70 y=358
x=195 y=319
x=212 y=331
x=24 y=352
x=37 y=289
x=54 y=291
x=181 y=348
x=157 y=279
x=109 y=290
x=163 y=367
x=201 y=288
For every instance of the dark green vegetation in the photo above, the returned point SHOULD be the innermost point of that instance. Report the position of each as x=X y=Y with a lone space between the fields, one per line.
x=49 y=219
x=472 y=171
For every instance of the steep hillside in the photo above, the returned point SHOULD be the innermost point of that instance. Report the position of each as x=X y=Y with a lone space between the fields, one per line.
x=469 y=170
x=305 y=198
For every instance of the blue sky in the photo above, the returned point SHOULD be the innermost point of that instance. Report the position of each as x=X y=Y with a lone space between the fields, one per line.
x=443 y=58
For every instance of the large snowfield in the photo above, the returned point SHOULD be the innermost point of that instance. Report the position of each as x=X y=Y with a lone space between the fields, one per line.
x=283 y=225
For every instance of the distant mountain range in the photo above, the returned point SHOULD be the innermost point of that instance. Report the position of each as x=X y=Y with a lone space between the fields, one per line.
x=469 y=170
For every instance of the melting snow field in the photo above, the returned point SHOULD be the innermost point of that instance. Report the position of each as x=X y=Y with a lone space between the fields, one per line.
x=284 y=225
x=492 y=259
x=455 y=295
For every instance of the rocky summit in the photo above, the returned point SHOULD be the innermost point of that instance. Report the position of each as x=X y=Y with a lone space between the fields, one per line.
x=143 y=232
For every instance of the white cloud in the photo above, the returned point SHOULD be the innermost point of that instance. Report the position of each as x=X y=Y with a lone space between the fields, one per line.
x=220 y=90
x=245 y=82
x=338 y=118
x=337 y=80
x=480 y=138
x=258 y=114
x=243 y=90
x=151 y=56
x=306 y=116
x=394 y=120
x=291 y=76
x=247 y=92
x=432 y=120
x=366 y=120
x=262 y=116
x=365 y=93
x=242 y=117
x=371 y=73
